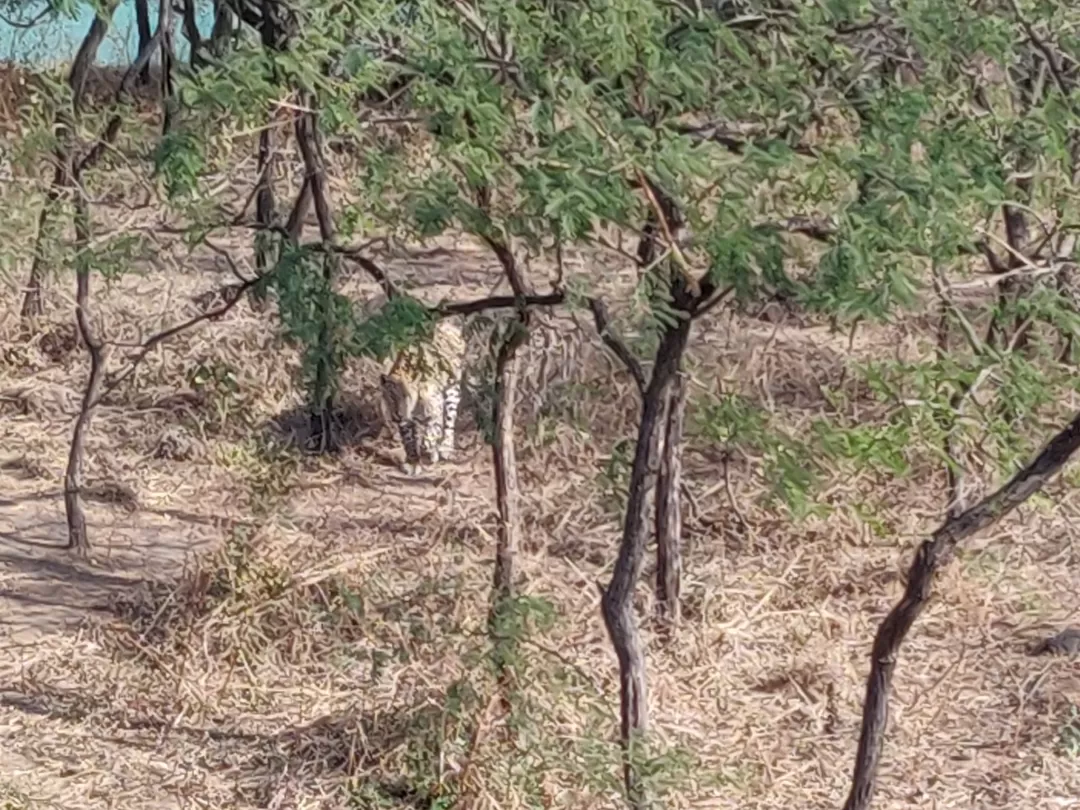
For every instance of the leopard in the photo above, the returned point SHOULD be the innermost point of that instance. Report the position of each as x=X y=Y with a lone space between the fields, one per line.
x=421 y=392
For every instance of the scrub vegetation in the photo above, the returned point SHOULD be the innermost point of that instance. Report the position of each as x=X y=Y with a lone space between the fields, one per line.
x=761 y=493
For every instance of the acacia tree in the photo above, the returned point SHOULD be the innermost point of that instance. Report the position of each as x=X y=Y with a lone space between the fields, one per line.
x=550 y=125
x=65 y=131
x=948 y=181
x=471 y=117
x=572 y=131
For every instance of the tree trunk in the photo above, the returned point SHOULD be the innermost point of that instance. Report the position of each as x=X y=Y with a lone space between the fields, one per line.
x=307 y=136
x=142 y=22
x=1010 y=290
x=266 y=166
x=78 y=540
x=934 y=552
x=222 y=33
x=87 y=55
x=508 y=533
x=32 y=305
x=168 y=57
x=191 y=33
x=669 y=508
x=617 y=601
x=266 y=211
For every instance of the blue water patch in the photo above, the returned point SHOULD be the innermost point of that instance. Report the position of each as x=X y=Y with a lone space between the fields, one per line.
x=57 y=39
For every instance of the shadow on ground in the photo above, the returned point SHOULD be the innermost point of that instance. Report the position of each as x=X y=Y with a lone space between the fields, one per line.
x=352 y=751
x=355 y=421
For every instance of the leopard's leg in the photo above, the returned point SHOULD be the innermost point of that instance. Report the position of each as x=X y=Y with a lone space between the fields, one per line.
x=408 y=430
x=433 y=418
x=451 y=401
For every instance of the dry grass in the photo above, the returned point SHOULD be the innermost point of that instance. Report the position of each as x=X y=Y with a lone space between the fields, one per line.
x=260 y=628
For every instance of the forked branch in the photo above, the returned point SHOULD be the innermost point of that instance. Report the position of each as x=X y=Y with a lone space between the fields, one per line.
x=616 y=344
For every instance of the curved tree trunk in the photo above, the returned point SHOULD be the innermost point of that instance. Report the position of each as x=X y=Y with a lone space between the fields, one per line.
x=617 y=602
x=932 y=554
x=669 y=508
x=78 y=540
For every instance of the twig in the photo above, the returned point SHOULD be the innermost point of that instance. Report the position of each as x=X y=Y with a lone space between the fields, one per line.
x=942 y=290
x=1044 y=49
x=373 y=270
x=24 y=25
x=731 y=495
x=823 y=230
x=671 y=244
x=235 y=293
x=713 y=302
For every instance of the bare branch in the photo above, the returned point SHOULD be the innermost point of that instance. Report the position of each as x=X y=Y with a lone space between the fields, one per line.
x=232 y=293
x=714 y=301
x=498 y=302
x=373 y=270
x=737 y=136
x=823 y=230
x=45 y=12
x=616 y=344
x=1044 y=49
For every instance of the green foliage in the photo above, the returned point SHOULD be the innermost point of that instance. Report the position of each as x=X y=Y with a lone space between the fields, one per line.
x=1069 y=736
x=907 y=126
x=788 y=464
x=402 y=321
x=308 y=305
x=179 y=160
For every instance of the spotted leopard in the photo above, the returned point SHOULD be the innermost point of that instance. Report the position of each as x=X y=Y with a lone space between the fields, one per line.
x=421 y=391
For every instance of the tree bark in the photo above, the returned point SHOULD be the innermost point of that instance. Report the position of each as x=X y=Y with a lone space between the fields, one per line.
x=86 y=56
x=617 y=601
x=508 y=532
x=191 y=33
x=933 y=553
x=32 y=304
x=168 y=58
x=142 y=23
x=669 y=508
x=307 y=136
x=266 y=215
x=78 y=540
x=505 y=461
x=266 y=212
x=224 y=25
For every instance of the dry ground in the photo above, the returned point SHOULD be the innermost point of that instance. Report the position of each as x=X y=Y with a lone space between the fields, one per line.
x=259 y=628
